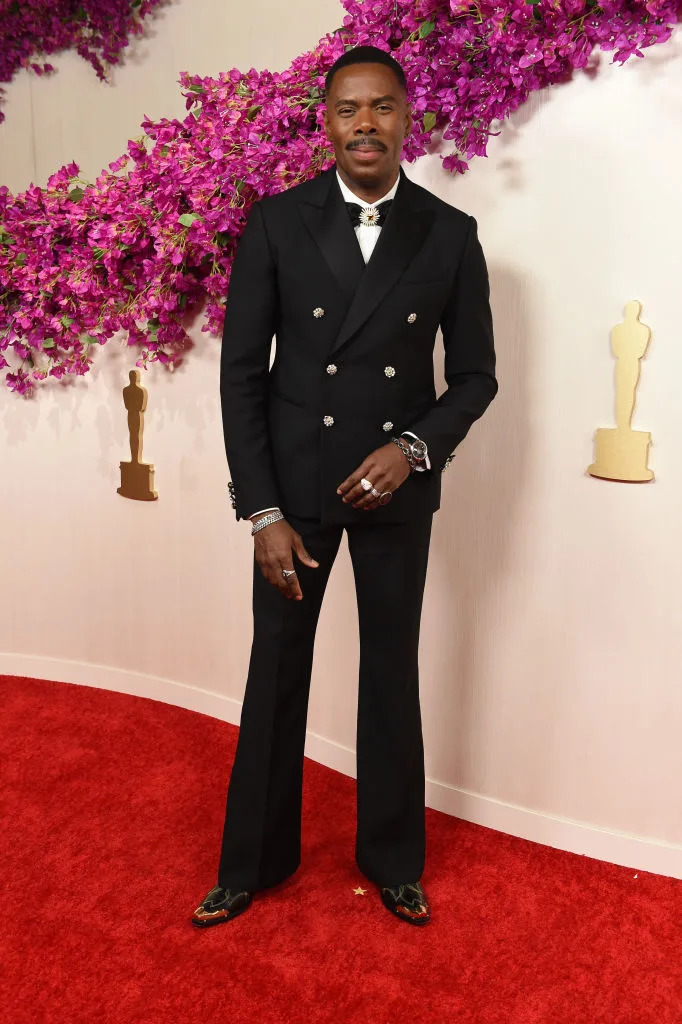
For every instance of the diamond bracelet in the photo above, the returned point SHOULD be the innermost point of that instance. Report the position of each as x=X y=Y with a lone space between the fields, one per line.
x=271 y=517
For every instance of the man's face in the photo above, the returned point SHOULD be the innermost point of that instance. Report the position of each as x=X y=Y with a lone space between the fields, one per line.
x=366 y=120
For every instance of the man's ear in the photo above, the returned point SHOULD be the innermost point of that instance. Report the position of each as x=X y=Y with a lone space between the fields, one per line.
x=408 y=121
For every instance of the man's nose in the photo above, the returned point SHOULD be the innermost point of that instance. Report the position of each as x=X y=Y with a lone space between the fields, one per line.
x=365 y=124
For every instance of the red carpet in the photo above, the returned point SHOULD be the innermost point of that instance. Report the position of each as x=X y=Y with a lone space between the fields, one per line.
x=112 y=815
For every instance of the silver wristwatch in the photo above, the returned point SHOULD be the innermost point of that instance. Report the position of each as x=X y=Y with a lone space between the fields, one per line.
x=417 y=447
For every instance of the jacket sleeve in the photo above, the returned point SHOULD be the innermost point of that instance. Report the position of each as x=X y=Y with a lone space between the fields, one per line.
x=467 y=327
x=248 y=329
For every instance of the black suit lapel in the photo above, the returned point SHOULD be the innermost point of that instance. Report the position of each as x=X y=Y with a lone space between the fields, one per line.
x=364 y=286
x=331 y=228
x=402 y=235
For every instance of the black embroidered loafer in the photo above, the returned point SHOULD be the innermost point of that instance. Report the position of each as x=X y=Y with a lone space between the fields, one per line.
x=220 y=905
x=407 y=902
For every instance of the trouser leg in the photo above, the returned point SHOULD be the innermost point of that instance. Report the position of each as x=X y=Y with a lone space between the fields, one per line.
x=262 y=831
x=389 y=564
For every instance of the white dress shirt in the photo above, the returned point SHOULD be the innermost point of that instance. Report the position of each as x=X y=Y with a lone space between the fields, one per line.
x=367 y=236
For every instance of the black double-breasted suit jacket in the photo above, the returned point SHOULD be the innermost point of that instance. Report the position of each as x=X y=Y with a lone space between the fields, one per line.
x=354 y=344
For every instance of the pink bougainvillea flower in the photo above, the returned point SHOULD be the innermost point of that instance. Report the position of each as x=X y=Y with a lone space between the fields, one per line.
x=152 y=239
x=99 y=30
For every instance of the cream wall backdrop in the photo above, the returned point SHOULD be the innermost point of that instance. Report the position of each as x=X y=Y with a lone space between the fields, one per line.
x=551 y=647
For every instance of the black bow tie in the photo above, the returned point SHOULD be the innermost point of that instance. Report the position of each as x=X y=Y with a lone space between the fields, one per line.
x=373 y=216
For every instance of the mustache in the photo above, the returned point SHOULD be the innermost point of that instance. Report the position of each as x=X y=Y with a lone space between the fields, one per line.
x=366 y=144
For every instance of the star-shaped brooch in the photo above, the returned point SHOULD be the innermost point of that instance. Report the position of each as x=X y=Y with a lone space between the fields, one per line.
x=359 y=891
x=369 y=215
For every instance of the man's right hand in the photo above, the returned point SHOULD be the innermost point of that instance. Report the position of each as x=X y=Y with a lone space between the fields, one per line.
x=274 y=546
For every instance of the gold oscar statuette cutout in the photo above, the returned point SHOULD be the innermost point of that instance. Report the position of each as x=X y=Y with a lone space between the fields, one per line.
x=621 y=453
x=137 y=477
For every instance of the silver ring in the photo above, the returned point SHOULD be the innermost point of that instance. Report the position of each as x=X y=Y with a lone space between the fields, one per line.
x=385 y=497
x=288 y=572
x=375 y=493
x=366 y=484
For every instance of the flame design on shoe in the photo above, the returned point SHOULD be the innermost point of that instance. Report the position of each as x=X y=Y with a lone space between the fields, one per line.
x=220 y=905
x=407 y=901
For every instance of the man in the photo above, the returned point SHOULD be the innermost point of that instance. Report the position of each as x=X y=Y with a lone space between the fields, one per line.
x=353 y=272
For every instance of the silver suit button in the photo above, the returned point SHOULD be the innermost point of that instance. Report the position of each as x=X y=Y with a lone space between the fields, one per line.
x=332 y=368
x=318 y=311
x=328 y=421
x=411 y=318
x=389 y=371
x=388 y=425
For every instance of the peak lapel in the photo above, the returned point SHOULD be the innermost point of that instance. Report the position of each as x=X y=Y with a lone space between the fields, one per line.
x=331 y=228
x=402 y=235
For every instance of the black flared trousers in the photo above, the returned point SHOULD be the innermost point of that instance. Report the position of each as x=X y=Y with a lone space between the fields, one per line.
x=261 y=843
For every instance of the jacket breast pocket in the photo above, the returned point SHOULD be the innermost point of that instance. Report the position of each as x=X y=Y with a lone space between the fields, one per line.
x=423 y=281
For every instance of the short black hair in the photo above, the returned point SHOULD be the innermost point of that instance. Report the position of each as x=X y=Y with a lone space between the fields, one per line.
x=365 y=55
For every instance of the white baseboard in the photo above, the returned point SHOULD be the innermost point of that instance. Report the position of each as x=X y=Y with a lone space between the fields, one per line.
x=637 y=852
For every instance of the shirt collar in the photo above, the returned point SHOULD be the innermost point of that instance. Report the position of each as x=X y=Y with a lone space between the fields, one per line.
x=350 y=197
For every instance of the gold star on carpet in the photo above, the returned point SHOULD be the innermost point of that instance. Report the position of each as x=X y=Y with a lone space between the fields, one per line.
x=359 y=891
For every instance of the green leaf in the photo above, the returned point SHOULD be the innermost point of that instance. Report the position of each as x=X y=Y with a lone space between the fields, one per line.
x=76 y=194
x=20 y=259
x=252 y=111
x=48 y=343
x=66 y=321
x=187 y=219
x=429 y=120
x=197 y=89
x=426 y=28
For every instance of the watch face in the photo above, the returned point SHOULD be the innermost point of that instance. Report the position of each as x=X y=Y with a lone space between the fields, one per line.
x=419 y=450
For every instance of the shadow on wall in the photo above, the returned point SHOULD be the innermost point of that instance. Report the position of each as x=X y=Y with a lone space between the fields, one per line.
x=475 y=534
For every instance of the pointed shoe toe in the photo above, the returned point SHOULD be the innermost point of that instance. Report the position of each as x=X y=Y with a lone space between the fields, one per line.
x=220 y=905
x=408 y=902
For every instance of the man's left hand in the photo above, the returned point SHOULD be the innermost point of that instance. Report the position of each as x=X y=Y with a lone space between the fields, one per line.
x=386 y=468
